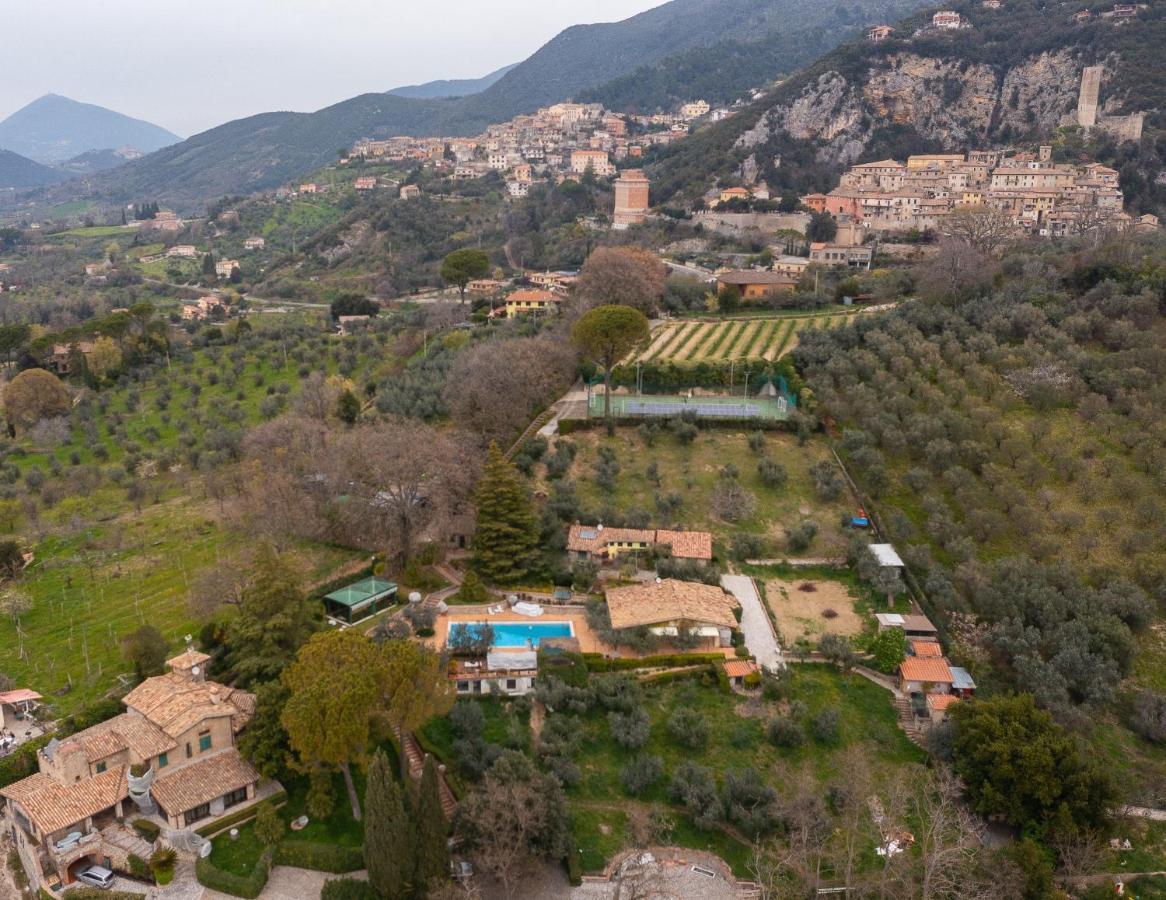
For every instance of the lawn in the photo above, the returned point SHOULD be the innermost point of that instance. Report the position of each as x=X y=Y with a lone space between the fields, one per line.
x=692 y=471
x=810 y=608
x=93 y=585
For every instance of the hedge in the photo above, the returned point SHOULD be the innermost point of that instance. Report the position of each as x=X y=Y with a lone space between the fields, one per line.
x=92 y=893
x=320 y=857
x=147 y=829
x=348 y=889
x=669 y=677
x=22 y=761
x=596 y=662
x=248 y=886
x=243 y=815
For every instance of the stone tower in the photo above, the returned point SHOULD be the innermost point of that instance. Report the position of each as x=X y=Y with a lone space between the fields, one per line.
x=1090 y=91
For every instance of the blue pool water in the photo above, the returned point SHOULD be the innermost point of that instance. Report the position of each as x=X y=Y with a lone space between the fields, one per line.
x=518 y=634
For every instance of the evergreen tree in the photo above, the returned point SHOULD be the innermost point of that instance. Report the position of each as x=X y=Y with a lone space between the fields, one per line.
x=506 y=539
x=432 y=831
x=388 y=838
x=208 y=265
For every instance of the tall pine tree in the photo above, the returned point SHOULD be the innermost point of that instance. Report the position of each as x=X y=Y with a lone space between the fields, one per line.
x=389 y=849
x=432 y=831
x=506 y=539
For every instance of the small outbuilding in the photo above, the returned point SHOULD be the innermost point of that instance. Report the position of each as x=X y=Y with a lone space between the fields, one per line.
x=360 y=600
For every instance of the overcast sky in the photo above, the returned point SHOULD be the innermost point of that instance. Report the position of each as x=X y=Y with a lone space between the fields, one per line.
x=189 y=66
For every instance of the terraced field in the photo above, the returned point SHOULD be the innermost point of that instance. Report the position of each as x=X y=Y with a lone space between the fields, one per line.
x=701 y=341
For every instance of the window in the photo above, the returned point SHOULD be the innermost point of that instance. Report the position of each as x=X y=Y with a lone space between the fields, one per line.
x=234 y=798
x=199 y=812
x=163 y=760
x=189 y=751
x=463 y=686
x=204 y=742
x=100 y=767
x=511 y=684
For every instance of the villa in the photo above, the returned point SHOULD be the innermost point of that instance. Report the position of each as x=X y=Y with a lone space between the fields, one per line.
x=170 y=757
x=669 y=606
x=598 y=543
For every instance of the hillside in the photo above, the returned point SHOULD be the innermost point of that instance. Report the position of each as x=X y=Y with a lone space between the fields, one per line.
x=54 y=129
x=451 y=87
x=266 y=150
x=724 y=71
x=19 y=172
x=1011 y=77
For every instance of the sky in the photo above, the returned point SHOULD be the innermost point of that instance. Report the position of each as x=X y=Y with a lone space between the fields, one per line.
x=189 y=66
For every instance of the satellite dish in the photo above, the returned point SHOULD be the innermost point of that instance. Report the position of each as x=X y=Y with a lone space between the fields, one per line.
x=205 y=850
x=194 y=670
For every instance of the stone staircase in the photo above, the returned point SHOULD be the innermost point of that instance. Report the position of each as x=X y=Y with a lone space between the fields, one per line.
x=416 y=760
x=128 y=840
x=908 y=723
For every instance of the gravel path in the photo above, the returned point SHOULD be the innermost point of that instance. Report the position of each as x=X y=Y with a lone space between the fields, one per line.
x=755 y=624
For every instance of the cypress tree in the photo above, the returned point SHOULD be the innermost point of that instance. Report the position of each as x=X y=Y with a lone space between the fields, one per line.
x=388 y=836
x=432 y=831
x=506 y=539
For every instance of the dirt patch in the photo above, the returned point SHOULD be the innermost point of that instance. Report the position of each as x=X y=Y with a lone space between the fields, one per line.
x=812 y=609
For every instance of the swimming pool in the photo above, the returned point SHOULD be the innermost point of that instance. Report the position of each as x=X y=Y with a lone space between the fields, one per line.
x=517 y=634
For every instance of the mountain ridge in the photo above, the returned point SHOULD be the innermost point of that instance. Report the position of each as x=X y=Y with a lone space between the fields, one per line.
x=19 y=172
x=53 y=129
x=451 y=87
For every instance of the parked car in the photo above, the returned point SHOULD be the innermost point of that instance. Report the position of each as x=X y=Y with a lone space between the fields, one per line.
x=96 y=876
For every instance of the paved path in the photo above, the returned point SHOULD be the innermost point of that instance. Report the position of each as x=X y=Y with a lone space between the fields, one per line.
x=755 y=624
x=1142 y=812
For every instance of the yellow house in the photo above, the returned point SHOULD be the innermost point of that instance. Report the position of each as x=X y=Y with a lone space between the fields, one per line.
x=524 y=302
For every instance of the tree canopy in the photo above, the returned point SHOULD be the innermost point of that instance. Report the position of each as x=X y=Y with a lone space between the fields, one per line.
x=506 y=539
x=33 y=395
x=605 y=335
x=462 y=266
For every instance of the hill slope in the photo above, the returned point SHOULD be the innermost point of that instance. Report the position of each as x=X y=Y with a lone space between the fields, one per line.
x=264 y=151
x=20 y=172
x=726 y=70
x=451 y=87
x=54 y=129
x=1010 y=78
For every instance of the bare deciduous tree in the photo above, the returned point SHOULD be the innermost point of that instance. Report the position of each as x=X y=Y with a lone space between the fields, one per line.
x=983 y=227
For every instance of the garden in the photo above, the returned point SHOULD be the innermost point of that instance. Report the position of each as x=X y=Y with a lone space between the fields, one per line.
x=767 y=338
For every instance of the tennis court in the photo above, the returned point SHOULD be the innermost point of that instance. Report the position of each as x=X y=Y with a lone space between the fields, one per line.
x=771 y=409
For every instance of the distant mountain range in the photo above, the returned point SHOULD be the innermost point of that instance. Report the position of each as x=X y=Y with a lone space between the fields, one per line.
x=264 y=151
x=20 y=172
x=451 y=87
x=54 y=129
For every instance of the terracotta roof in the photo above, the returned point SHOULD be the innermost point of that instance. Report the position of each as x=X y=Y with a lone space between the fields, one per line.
x=916 y=622
x=175 y=704
x=192 y=657
x=128 y=731
x=749 y=277
x=52 y=806
x=533 y=297
x=941 y=701
x=739 y=668
x=669 y=601
x=687 y=544
x=19 y=695
x=203 y=781
x=930 y=668
x=683 y=544
x=926 y=648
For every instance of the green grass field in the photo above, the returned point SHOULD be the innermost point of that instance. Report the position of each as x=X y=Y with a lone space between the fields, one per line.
x=693 y=471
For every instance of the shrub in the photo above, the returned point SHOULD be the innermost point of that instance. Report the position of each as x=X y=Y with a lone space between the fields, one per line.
x=248 y=886
x=630 y=729
x=750 y=804
x=162 y=862
x=689 y=729
x=772 y=474
x=641 y=773
x=138 y=867
x=147 y=829
x=785 y=732
x=799 y=538
x=827 y=726
x=348 y=889
x=837 y=650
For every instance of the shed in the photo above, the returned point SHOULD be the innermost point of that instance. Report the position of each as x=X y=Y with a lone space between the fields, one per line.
x=886 y=556
x=360 y=599
x=961 y=682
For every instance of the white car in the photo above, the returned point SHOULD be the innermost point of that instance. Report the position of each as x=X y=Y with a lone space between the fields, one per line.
x=96 y=876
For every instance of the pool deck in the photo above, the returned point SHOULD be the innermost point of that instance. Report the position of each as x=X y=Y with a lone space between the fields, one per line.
x=588 y=642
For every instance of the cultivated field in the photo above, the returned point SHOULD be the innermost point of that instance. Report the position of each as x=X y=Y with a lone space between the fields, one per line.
x=812 y=608
x=697 y=341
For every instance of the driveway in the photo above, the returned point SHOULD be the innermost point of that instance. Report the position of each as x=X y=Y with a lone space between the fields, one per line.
x=755 y=624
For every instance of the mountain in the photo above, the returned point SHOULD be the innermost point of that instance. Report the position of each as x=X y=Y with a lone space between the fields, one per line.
x=727 y=70
x=451 y=87
x=267 y=150
x=19 y=172
x=1011 y=77
x=54 y=129
x=98 y=161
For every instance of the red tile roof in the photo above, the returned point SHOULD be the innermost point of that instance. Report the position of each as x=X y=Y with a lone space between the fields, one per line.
x=933 y=669
x=739 y=668
x=926 y=648
x=941 y=701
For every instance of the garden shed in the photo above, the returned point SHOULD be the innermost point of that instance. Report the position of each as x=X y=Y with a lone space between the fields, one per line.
x=359 y=600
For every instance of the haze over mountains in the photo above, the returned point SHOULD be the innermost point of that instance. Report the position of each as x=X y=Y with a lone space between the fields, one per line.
x=452 y=87
x=263 y=151
x=54 y=129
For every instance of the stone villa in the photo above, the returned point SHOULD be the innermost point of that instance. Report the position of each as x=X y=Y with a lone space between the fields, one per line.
x=170 y=757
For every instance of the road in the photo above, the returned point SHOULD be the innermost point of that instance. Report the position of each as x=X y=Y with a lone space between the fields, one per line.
x=694 y=271
x=755 y=625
